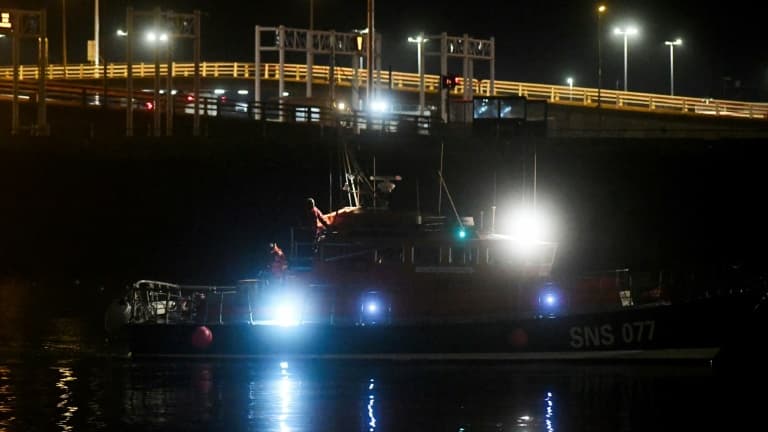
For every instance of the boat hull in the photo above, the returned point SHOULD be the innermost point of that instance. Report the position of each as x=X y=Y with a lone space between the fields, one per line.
x=696 y=330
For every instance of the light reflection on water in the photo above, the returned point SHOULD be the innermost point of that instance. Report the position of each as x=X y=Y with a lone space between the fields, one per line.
x=66 y=406
x=7 y=398
x=295 y=396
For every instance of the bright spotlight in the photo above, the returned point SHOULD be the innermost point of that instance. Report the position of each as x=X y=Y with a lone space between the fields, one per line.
x=380 y=105
x=286 y=315
x=530 y=225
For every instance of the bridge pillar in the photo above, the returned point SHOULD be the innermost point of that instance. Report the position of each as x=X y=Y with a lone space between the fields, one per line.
x=443 y=72
x=310 y=62
x=257 y=71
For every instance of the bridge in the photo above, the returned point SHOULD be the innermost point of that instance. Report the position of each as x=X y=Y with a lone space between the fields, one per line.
x=84 y=84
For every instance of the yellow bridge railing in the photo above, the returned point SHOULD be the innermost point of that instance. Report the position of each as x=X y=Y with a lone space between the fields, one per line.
x=404 y=81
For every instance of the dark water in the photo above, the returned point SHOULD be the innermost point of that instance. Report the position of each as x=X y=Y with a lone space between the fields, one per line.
x=64 y=380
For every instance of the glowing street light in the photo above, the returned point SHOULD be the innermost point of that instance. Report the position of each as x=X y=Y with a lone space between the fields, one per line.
x=569 y=80
x=672 y=44
x=153 y=37
x=629 y=31
x=600 y=11
x=420 y=40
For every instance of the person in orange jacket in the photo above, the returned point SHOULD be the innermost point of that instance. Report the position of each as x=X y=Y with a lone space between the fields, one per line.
x=279 y=262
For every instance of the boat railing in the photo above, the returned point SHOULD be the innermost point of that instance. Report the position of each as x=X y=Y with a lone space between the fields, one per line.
x=168 y=303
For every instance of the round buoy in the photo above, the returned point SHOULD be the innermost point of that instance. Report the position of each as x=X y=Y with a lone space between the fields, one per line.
x=202 y=337
x=518 y=338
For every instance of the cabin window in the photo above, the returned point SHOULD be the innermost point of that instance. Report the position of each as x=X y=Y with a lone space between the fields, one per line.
x=389 y=256
x=456 y=256
x=499 y=256
x=353 y=258
x=426 y=256
x=463 y=256
x=473 y=256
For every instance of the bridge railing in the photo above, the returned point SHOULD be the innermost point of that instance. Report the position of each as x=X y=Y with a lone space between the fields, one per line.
x=404 y=81
x=95 y=97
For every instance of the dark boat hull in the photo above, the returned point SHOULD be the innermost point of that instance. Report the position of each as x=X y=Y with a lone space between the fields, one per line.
x=688 y=331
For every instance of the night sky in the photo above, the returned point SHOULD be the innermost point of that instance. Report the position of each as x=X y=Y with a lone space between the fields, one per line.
x=723 y=55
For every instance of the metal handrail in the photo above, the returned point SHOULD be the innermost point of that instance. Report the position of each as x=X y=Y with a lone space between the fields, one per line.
x=404 y=81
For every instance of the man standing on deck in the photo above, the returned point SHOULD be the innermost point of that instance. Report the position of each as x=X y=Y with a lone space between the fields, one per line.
x=279 y=262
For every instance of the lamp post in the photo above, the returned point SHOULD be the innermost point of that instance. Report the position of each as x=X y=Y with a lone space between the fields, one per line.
x=419 y=41
x=600 y=11
x=96 y=33
x=626 y=32
x=672 y=44
x=370 y=53
x=155 y=39
x=64 y=35
x=311 y=14
x=569 y=80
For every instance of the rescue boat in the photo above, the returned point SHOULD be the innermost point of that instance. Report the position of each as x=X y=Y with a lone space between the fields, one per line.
x=385 y=284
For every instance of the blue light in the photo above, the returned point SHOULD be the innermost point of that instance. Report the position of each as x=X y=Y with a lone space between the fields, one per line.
x=374 y=308
x=462 y=233
x=550 y=299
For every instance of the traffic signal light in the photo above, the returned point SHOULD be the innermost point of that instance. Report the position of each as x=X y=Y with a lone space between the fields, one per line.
x=448 y=81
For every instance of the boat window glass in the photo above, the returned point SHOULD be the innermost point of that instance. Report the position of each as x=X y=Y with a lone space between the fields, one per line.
x=426 y=256
x=389 y=256
x=499 y=256
x=464 y=256
x=473 y=256
x=458 y=256
x=331 y=252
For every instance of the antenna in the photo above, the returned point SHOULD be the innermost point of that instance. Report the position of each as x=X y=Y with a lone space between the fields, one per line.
x=535 y=166
x=440 y=186
x=418 y=203
x=448 y=194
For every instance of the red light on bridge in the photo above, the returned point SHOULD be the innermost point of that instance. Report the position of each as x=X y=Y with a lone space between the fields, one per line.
x=149 y=106
x=448 y=81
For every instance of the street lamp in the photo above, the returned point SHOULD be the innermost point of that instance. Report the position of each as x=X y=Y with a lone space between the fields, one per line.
x=311 y=14
x=600 y=11
x=419 y=41
x=672 y=44
x=155 y=39
x=626 y=32
x=96 y=33
x=371 y=52
x=64 y=35
x=569 y=80
x=64 y=32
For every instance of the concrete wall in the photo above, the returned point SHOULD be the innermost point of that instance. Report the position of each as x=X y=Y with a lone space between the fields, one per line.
x=578 y=121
